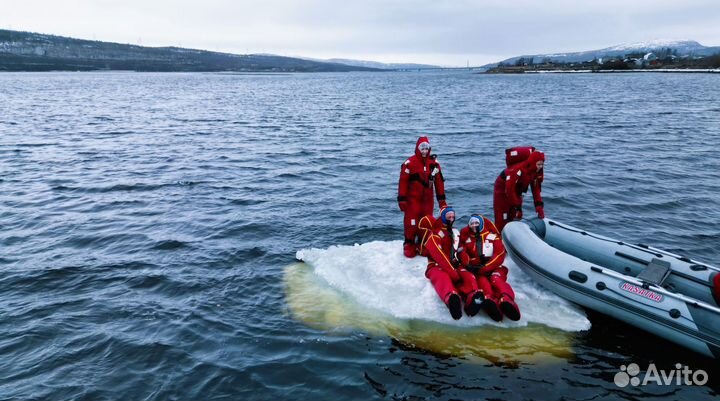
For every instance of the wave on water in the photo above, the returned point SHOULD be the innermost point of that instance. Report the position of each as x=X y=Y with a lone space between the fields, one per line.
x=377 y=275
x=136 y=187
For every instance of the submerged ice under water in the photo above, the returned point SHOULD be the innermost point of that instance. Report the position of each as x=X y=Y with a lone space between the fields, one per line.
x=378 y=276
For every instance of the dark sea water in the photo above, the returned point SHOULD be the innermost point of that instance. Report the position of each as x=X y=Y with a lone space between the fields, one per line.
x=149 y=225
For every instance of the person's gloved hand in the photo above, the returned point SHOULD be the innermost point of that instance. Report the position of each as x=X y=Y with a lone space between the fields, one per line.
x=517 y=214
x=464 y=258
x=540 y=212
x=402 y=205
x=455 y=262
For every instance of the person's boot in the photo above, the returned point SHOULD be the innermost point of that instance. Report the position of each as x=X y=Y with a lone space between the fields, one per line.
x=472 y=306
x=455 y=305
x=490 y=306
x=409 y=250
x=509 y=308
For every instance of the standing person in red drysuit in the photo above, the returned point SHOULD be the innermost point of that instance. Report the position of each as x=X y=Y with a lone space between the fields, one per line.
x=420 y=177
x=512 y=183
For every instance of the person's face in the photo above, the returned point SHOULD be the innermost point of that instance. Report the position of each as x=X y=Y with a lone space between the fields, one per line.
x=474 y=226
x=450 y=217
x=539 y=165
x=424 y=149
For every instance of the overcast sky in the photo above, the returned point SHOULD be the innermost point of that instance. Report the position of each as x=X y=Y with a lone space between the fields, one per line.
x=442 y=32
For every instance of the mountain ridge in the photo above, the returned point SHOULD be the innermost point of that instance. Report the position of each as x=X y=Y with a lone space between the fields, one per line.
x=380 y=65
x=29 y=51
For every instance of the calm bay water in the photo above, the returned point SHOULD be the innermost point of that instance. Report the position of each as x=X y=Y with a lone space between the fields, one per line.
x=148 y=224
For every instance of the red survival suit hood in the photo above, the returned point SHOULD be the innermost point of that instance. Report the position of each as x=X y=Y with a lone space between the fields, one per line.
x=417 y=146
x=530 y=167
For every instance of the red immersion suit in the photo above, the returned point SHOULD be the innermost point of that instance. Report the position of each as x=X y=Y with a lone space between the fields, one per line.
x=436 y=242
x=510 y=186
x=419 y=178
x=482 y=253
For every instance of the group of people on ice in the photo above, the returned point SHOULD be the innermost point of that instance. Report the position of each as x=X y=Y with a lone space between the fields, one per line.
x=471 y=277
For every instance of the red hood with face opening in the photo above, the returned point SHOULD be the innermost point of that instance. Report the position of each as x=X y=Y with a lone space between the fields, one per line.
x=417 y=145
x=530 y=165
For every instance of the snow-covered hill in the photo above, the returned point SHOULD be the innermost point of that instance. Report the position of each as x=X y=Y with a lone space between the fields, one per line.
x=680 y=48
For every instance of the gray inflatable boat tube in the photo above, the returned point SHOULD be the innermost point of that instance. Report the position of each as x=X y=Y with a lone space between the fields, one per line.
x=662 y=293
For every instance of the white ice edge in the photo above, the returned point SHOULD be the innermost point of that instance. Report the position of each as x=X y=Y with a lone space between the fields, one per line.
x=378 y=276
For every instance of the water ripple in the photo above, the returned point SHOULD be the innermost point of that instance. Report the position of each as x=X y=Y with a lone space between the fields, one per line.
x=147 y=219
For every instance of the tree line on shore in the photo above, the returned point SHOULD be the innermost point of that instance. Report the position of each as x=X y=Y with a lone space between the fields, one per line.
x=665 y=58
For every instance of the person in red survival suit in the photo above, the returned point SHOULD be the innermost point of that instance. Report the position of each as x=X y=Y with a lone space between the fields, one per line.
x=418 y=175
x=512 y=183
x=437 y=244
x=482 y=253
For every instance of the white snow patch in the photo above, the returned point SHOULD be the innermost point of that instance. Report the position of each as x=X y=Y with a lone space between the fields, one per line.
x=655 y=44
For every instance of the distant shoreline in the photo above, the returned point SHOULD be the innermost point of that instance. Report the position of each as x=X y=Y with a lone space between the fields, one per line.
x=171 y=72
x=657 y=70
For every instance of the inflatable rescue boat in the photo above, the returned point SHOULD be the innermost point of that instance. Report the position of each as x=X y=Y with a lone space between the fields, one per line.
x=668 y=295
